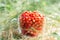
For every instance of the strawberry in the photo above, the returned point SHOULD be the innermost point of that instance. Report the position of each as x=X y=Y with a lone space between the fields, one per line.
x=31 y=23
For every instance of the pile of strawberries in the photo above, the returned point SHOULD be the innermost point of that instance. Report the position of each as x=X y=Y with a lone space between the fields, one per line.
x=31 y=23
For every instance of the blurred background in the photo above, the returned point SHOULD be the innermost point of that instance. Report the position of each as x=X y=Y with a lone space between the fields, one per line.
x=11 y=9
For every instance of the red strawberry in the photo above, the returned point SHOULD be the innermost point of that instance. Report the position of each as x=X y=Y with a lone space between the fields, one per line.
x=31 y=23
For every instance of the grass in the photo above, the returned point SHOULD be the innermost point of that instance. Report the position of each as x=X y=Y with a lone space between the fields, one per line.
x=10 y=10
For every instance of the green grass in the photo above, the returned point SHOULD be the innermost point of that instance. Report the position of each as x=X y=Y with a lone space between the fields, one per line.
x=11 y=9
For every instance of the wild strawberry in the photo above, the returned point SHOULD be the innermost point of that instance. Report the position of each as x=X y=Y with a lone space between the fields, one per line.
x=31 y=23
